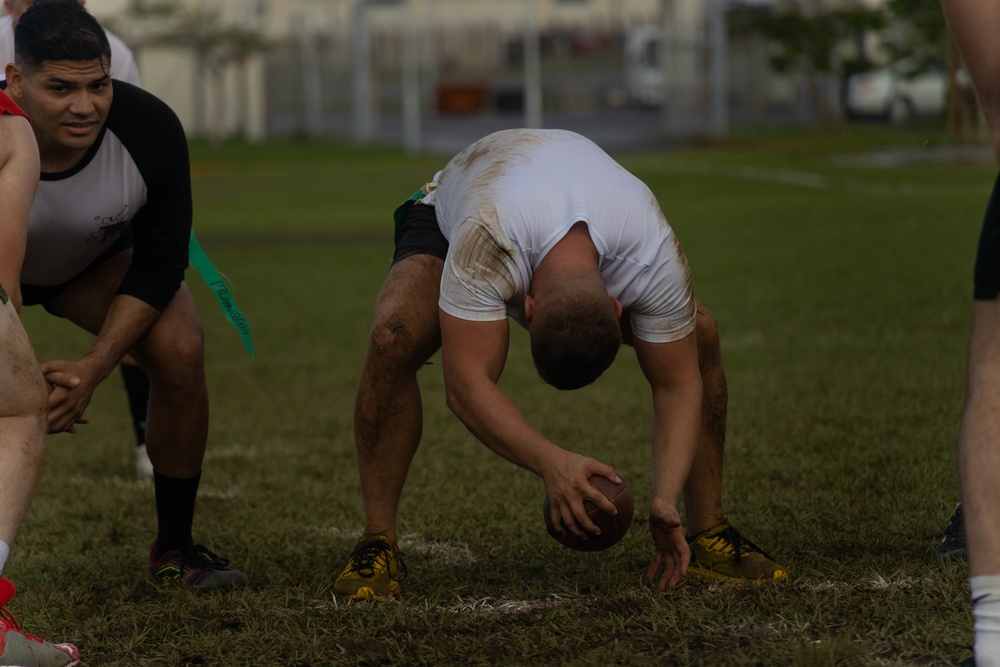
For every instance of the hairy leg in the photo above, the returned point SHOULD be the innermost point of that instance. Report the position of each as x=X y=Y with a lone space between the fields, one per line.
x=388 y=412
x=703 y=490
x=23 y=407
x=979 y=440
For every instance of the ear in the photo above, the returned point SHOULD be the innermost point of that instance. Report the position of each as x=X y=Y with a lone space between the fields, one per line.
x=618 y=307
x=14 y=80
x=529 y=307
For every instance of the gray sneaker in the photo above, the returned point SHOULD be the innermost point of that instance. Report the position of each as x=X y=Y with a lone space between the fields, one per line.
x=195 y=567
x=952 y=544
x=17 y=647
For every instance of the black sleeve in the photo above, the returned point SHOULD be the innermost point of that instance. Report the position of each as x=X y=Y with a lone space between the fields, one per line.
x=161 y=229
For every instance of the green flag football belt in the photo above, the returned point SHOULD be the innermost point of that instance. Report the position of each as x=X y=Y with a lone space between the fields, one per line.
x=212 y=278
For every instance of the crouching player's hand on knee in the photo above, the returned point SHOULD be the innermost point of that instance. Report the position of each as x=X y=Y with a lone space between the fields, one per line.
x=672 y=551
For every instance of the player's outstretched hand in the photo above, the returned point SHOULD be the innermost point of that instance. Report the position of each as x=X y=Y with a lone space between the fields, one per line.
x=567 y=485
x=71 y=386
x=672 y=551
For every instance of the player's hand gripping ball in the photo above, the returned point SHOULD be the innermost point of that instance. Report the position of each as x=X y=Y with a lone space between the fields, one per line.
x=613 y=528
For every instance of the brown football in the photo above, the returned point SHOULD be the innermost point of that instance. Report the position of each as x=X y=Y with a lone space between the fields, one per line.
x=613 y=528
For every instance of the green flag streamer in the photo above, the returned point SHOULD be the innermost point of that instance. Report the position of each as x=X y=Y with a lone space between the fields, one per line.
x=211 y=276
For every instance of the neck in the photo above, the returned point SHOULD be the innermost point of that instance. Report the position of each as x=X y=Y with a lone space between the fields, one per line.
x=58 y=159
x=574 y=257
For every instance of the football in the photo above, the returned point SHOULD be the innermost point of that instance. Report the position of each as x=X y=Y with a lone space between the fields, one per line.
x=613 y=528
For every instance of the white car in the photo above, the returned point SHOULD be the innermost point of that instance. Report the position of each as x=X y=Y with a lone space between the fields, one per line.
x=644 y=78
x=891 y=93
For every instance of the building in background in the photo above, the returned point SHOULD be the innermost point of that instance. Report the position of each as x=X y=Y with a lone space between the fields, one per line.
x=376 y=69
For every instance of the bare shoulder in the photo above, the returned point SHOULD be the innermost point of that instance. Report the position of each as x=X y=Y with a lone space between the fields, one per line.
x=8 y=128
x=16 y=139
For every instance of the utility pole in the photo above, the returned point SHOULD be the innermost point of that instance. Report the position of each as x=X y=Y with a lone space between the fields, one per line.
x=361 y=78
x=532 y=67
x=718 y=36
x=312 y=85
x=411 y=81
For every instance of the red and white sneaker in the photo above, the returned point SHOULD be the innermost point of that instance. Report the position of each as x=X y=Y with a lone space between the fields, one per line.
x=19 y=648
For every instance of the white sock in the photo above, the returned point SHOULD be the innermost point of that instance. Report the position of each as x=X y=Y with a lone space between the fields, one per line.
x=986 y=611
x=4 y=552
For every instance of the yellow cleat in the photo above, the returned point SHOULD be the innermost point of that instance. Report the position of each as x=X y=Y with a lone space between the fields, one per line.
x=373 y=572
x=721 y=553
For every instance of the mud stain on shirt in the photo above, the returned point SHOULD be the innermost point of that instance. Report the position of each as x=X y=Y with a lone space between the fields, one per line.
x=502 y=150
x=482 y=259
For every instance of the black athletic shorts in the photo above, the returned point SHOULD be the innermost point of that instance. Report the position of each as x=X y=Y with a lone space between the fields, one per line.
x=417 y=233
x=33 y=295
x=987 y=272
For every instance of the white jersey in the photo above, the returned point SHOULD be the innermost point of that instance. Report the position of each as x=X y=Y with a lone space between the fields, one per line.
x=123 y=65
x=507 y=199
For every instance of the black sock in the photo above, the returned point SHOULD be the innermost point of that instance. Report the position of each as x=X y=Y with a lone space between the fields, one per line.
x=137 y=392
x=175 y=498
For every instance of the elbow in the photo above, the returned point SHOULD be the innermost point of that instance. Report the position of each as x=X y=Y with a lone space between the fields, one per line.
x=457 y=400
x=453 y=400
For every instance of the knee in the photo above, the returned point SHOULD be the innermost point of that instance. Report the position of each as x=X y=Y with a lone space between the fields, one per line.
x=398 y=346
x=24 y=415
x=34 y=404
x=707 y=332
x=178 y=360
x=23 y=392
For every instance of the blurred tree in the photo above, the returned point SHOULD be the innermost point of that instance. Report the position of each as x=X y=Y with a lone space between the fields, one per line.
x=215 y=44
x=818 y=43
x=918 y=35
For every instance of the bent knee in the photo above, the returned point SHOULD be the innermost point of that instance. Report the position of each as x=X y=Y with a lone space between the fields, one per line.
x=23 y=392
x=30 y=401
x=707 y=327
x=400 y=343
x=178 y=359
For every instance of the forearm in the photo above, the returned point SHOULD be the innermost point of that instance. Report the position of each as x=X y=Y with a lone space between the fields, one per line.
x=675 y=380
x=497 y=423
x=676 y=427
x=127 y=321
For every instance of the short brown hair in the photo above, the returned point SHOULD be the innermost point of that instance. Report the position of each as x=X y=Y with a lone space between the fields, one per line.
x=574 y=339
x=58 y=30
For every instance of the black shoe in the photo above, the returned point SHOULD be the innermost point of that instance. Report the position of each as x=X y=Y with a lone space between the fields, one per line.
x=195 y=567
x=952 y=544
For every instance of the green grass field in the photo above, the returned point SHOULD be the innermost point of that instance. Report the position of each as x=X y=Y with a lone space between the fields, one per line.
x=843 y=291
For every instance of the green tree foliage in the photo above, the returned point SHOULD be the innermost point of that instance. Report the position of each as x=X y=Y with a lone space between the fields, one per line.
x=916 y=33
x=818 y=42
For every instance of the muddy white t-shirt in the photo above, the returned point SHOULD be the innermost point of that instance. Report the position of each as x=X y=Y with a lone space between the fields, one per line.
x=507 y=199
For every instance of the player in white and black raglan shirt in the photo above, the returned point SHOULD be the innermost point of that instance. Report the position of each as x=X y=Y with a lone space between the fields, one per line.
x=132 y=187
x=114 y=164
x=123 y=68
